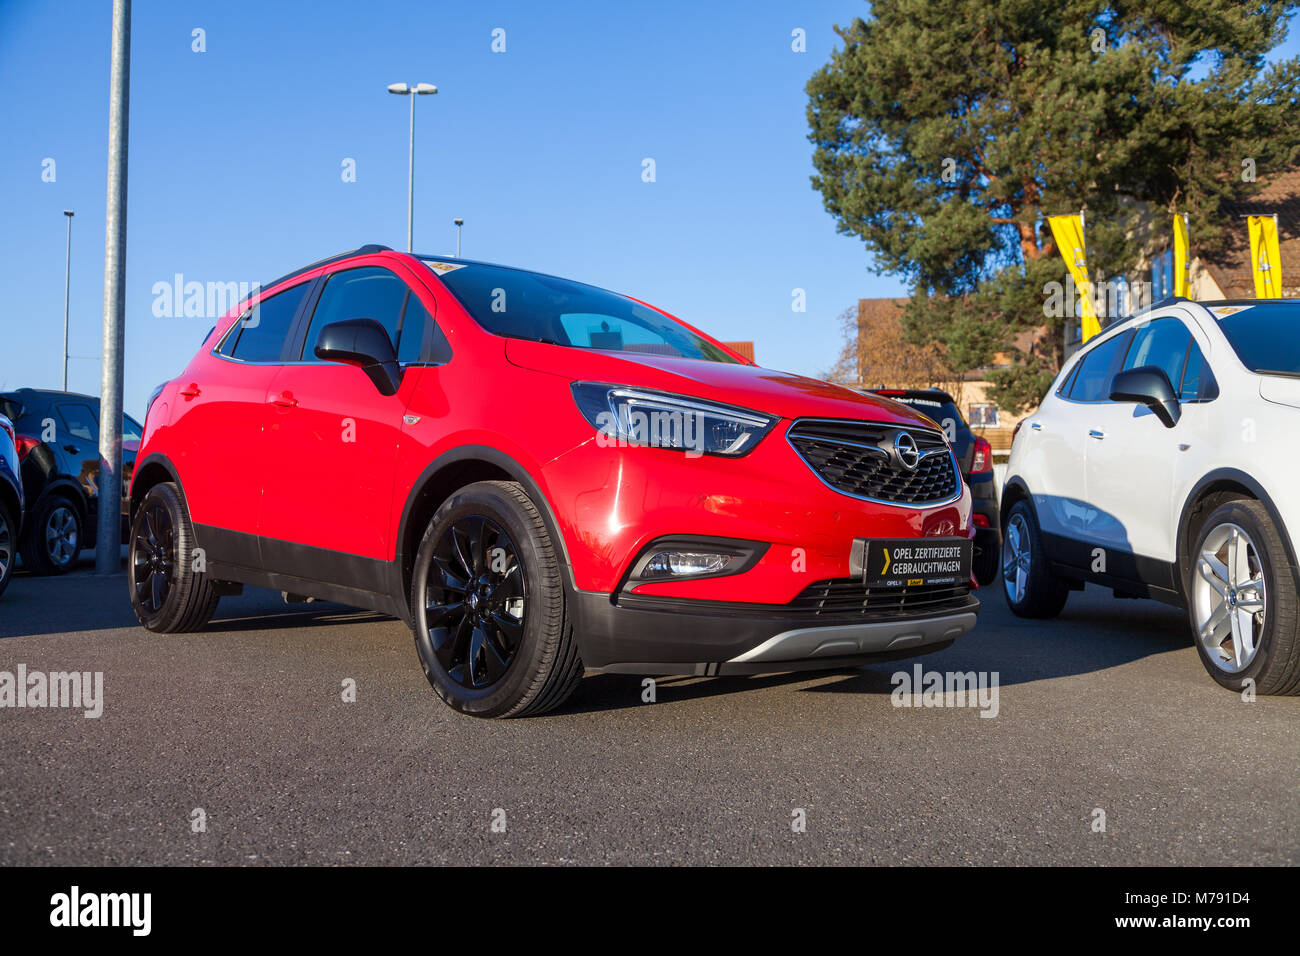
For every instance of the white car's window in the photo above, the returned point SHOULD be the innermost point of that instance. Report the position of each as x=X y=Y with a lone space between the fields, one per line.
x=1197 y=377
x=1162 y=343
x=1092 y=381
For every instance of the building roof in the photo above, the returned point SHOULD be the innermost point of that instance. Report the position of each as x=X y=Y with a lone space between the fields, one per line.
x=744 y=348
x=1231 y=268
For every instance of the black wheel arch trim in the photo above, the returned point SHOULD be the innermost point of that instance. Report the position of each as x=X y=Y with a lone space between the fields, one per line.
x=511 y=467
x=161 y=460
x=1237 y=477
x=66 y=488
x=1007 y=501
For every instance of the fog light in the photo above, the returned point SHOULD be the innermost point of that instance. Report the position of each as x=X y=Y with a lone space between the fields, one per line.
x=665 y=564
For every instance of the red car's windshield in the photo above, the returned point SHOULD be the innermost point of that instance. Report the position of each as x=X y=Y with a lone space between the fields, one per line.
x=541 y=308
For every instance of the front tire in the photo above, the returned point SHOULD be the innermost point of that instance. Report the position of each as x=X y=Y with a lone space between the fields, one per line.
x=1242 y=601
x=167 y=592
x=1030 y=587
x=488 y=602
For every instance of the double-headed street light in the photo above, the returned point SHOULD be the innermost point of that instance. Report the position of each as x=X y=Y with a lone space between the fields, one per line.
x=411 y=90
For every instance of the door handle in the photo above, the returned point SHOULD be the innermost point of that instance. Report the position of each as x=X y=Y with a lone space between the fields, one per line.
x=285 y=400
x=1094 y=433
x=72 y=448
x=190 y=391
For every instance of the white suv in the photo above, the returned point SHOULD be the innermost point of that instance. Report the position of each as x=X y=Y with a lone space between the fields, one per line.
x=1165 y=463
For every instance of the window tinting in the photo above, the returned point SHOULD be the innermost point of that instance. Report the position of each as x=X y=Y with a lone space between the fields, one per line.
x=1163 y=343
x=541 y=308
x=1265 y=337
x=262 y=331
x=366 y=293
x=131 y=430
x=80 y=422
x=415 y=322
x=1195 y=375
x=1092 y=381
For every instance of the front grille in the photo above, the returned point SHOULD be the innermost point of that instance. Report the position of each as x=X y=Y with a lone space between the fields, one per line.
x=857 y=458
x=845 y=597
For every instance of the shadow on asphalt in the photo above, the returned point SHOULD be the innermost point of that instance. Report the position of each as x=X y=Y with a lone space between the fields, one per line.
x=1094 y=633
x=1099 y=635
x=83 y=601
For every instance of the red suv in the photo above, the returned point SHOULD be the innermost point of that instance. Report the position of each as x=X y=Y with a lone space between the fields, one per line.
x=541 y=477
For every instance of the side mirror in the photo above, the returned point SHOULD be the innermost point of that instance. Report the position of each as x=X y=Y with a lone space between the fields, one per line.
x=365 y=344
x=1148 y=385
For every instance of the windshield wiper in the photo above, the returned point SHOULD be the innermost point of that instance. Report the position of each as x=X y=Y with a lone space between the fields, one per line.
x=1277 y=371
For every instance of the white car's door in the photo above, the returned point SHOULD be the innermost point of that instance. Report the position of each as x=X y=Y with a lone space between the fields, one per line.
x=1057 y=471
x=1133 y=457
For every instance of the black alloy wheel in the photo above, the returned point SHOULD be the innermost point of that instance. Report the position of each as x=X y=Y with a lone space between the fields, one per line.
x=477 y=598
x=152 y=556
x=489 y=605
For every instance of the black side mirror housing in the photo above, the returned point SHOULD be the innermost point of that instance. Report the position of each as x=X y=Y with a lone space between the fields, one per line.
x=1148 y=385
x=365 y=344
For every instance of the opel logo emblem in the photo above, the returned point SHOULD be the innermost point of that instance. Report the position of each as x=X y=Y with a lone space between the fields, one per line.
x=905 y=451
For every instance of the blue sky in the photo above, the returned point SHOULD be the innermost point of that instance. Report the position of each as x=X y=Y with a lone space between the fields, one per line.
x=236 y=153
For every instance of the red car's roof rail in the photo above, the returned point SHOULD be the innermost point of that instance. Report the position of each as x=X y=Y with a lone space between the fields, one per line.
x=359 y=251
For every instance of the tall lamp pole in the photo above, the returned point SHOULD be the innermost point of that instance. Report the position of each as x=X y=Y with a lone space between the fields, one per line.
x=67 y=284
x=108 y=547
x=412 y=90
x=459 y=223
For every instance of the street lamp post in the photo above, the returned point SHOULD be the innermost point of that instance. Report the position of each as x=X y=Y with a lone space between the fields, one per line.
x=67 y=285
x=412 y=90
x=459 y=223
x=108 y=547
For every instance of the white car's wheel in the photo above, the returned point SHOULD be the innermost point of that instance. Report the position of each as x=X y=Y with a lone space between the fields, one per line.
x=1242 y=601
x=1031 y=589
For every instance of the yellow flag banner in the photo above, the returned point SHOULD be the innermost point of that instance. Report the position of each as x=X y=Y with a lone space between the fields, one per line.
x=1265 y=258
x=1068 y=233
x=1182 y=277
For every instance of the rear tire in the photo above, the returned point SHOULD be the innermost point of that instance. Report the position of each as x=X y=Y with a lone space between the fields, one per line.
x=1030 y=587
x=488 y=603
x=1243 y=612
x=8 y=542
x=169 y=596
x=52 y=536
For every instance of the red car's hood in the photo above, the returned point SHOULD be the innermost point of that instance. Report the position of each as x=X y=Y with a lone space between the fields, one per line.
x=764 y=390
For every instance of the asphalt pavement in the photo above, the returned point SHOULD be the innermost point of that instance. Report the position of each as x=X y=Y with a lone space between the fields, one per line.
x=237 y=746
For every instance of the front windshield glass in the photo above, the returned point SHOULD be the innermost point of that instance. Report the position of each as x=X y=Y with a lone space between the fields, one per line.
x=1265 y=337
x=541 y=308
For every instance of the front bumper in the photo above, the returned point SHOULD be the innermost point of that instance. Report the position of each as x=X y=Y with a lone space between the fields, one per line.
x=643 y=635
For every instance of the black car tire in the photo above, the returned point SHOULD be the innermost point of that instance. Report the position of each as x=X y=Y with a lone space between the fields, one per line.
x=167 y=593
x=987 y=566
x=1043 y=594
x=1274 y=666
x=488 y=605
x=52 y=522
x=8 y=546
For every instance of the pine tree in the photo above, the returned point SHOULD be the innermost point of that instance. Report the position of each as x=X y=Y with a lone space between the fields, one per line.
x=946 y=130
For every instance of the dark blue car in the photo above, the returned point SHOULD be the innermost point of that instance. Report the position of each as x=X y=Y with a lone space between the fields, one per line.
x=11 y=500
